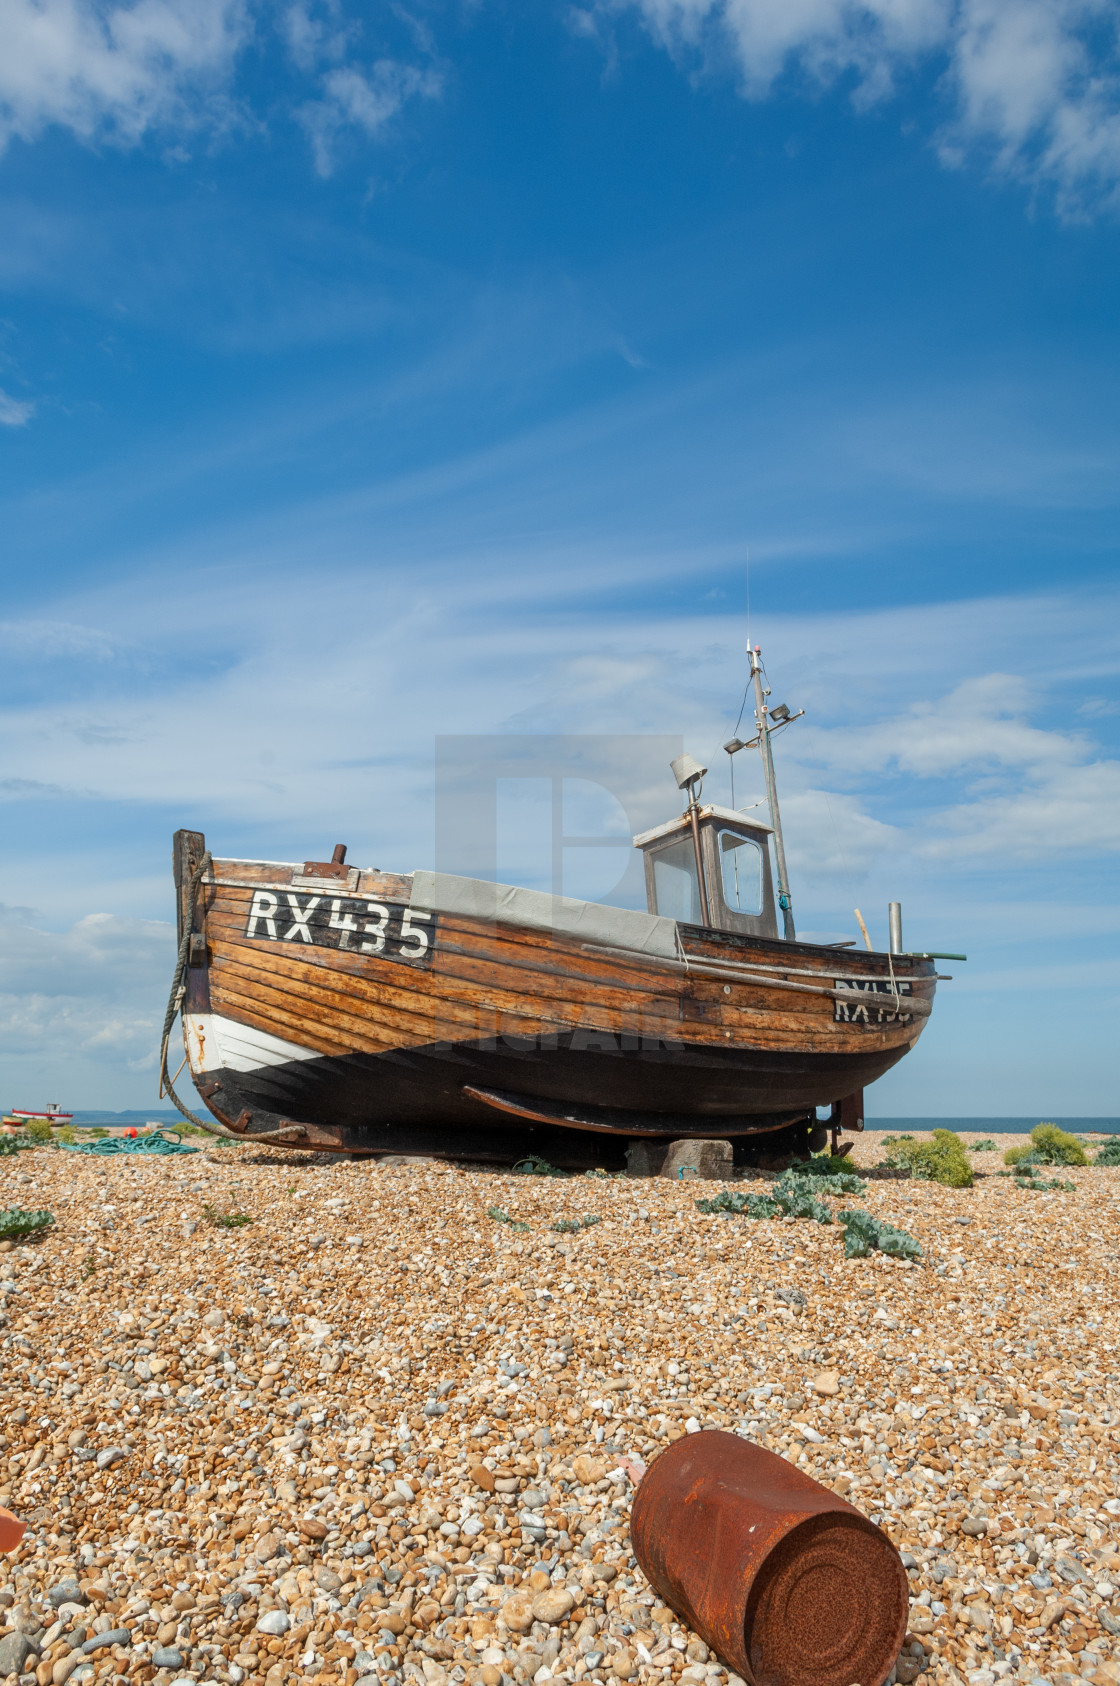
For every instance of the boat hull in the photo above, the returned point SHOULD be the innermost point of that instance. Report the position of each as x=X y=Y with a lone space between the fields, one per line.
x=349 y=1012
x=665 y=1092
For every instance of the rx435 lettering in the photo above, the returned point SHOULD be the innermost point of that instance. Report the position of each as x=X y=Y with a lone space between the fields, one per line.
x=389 y=930
x=873 y=1010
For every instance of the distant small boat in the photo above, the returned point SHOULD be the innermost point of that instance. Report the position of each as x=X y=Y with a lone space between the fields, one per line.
x=53 y=1115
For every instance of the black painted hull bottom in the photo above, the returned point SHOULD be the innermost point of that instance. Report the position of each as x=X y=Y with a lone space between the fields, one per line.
x=414 y=1100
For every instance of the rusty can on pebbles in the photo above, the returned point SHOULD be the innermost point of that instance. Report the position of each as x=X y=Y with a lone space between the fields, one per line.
x=786 y=1581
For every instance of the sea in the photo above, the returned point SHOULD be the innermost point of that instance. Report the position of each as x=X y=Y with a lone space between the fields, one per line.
x=126 y=1120
x=998 y=1126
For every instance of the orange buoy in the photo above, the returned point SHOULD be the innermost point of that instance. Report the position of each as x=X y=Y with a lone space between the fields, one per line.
x=11 y=1530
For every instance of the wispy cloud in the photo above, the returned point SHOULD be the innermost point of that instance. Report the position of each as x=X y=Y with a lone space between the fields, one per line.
x=14 y=412
x=363 y=100
x=1033 y=86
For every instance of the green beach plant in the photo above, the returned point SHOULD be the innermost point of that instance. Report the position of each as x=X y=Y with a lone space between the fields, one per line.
x=826 y=1165
x=225 y=1220
x=864 y=1234
x=942 y=1160
x=1048 y=1146
x=501 y=1217
x=16 y=1224
x=534 y=1166
x=1109 y=1153
x=986 y=1146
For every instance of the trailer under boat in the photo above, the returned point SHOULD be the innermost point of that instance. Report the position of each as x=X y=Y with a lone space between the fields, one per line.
x=337 y=1008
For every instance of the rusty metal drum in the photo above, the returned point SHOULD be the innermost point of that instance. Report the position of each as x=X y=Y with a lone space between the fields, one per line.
x=788 y=1583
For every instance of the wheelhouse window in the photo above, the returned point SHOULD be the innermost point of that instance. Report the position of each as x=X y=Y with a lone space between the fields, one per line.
x=740 y=861
x=675 y=886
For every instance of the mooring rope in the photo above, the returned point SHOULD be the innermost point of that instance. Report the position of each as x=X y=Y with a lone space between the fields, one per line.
x=174 y=1006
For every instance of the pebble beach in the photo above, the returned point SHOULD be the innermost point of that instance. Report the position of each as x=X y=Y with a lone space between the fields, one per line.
x=273 y=1418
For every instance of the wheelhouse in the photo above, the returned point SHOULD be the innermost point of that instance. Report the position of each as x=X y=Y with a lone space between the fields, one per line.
x=734 y=855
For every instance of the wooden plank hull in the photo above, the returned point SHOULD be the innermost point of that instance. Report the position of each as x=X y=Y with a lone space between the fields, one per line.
x=335 y=1006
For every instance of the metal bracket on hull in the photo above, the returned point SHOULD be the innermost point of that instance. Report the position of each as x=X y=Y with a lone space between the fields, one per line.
x=617 y=1121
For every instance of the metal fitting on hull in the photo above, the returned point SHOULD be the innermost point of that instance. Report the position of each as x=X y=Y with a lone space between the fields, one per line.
x=788 y=1583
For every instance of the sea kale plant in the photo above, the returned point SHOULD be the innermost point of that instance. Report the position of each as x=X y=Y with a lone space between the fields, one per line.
x=864 y=1235
x=796 y=1196
x=17 y=1225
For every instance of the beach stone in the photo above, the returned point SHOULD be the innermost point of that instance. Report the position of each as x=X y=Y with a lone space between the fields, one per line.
x=167 y=1656
x=67 y=1592
x=110 y=1456
x=517 y=1612
x=273 y=1622
x=707 y=1160
x=266 y=1548
x=15 y=1650
x=552 y=1606
x=114 y=1636
x=827 y=1383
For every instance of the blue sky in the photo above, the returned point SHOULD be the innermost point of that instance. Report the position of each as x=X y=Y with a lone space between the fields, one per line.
x=374 y=373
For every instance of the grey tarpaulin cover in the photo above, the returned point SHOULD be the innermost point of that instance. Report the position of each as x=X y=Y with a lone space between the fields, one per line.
x=537 y=910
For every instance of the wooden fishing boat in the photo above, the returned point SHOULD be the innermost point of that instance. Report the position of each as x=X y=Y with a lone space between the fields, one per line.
x=334 y=1007
x=53 y=1115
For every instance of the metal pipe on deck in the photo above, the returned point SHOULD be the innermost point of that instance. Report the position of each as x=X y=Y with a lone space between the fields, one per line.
x=894 y=919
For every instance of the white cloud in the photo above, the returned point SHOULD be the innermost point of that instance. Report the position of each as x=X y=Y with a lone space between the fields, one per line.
x=123 y=71
x=363 y=100
x=118 y=70
x=14 y=412
x=1035 y=84
x=97 y=989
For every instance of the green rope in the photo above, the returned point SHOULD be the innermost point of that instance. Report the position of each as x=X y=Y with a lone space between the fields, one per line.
x=159 y=1143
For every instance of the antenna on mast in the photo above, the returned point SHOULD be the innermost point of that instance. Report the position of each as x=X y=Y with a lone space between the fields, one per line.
x=770 y=720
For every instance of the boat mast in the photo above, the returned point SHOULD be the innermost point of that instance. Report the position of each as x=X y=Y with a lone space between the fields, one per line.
x=785 y=901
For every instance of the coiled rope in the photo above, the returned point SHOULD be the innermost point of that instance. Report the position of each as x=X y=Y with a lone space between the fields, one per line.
x=155 y=1145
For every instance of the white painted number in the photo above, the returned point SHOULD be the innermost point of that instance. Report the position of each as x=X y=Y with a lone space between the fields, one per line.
x=345 y=925
x=408 y=929
x=376 y=928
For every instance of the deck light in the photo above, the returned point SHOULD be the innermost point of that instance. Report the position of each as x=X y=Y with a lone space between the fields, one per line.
x=687 y=771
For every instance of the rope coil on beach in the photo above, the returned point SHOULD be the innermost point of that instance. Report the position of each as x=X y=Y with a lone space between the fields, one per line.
x=155 y=1145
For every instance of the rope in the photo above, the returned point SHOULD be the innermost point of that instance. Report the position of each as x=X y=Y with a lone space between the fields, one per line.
x=155 y=1145
x=174 y=1003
